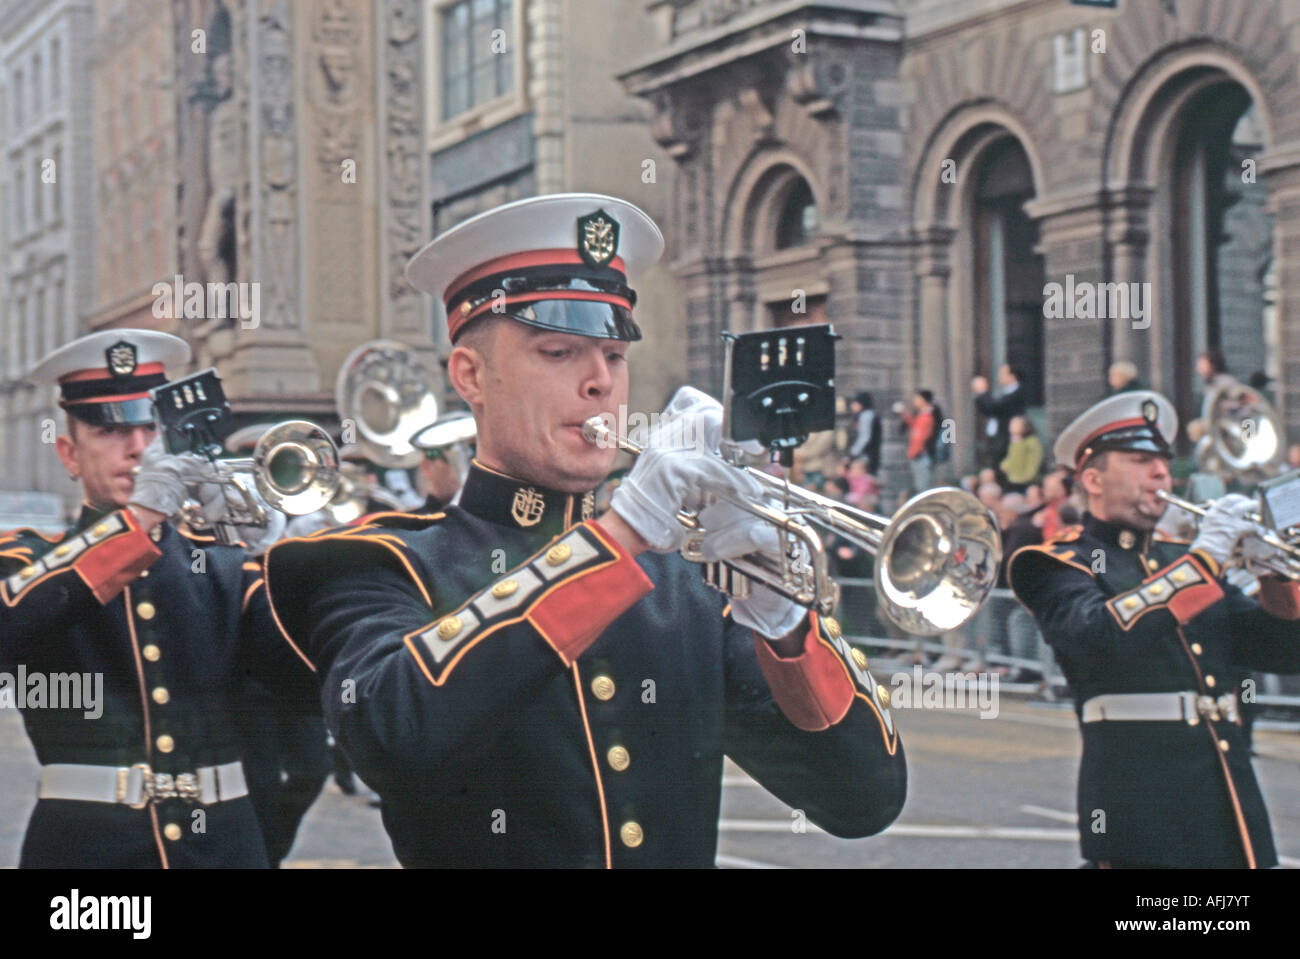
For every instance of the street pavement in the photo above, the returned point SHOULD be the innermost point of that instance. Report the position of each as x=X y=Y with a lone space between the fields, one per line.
x=994 y=793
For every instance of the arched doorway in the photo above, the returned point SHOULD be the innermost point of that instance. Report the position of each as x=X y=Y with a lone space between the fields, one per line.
x=1217 y=242
x=980 y=281
x=1007 y=275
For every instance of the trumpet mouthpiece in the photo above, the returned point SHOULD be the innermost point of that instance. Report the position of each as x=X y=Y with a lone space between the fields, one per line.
x=594 y=430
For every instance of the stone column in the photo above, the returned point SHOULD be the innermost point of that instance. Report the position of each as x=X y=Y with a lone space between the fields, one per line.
x=1071 y=241
x=1128 y=234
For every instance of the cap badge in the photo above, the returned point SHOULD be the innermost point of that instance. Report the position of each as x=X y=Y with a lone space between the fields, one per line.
x=122 y=359
x=1150 y=412
x=597 y=238
x=528 y=506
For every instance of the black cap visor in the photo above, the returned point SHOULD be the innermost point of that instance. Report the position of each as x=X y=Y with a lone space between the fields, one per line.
x=1133 y=439
x=138 y=412
x=583 y=317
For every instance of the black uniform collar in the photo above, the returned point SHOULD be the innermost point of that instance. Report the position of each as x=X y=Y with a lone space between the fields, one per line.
x=91 y=514
x=1116 y=534
x=507 y=501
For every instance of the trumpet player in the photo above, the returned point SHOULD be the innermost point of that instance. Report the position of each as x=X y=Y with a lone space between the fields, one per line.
x=1149 y=635
x=159 y=622
x=529 y=684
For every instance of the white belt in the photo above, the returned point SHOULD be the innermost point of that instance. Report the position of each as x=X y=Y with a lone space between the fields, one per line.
x=1184 y=707
x=136 y=786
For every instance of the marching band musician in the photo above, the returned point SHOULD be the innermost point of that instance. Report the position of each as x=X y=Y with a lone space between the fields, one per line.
x=527 y=684
x=1150 y=636
x=169 y=620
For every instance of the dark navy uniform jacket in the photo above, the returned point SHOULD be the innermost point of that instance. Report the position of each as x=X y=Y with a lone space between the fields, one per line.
x=174 y=626
x=522 y=692
x=1128 y=613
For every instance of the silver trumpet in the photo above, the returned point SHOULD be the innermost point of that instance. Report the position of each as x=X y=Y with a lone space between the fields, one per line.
x=936 y=558
x=294 y=469
x=1285 y=560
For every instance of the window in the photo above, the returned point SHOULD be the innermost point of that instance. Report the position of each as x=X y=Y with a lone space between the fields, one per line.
x=38 y=187
x=57 y=199
x=20 y=202
x=42 y=335
x=476 y=66
x=56 y=89
x=36 y=86
x=799 y=220
x=18 y=98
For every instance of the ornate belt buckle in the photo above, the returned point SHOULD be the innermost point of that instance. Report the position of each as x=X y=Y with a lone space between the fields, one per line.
x=1206 y=706
x=1228 y=706
x=187 y=787
x=162 y=786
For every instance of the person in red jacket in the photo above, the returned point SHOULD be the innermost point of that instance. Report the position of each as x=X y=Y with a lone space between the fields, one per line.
x=919 y=423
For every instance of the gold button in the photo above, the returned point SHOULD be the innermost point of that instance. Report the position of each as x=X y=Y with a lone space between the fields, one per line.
x=1156 y=589
x=99 y=530
x=618 y=758
x=152 y=653
x=1196 y=648
x=145 y=610
x=63 y=550
x=144 y=573
x=1152 y=564
x=1210 y=681
x=161 y=696
x=504 y=588
x=631 y=834
x=172 y=831
x=859 y=657
x=832 y=627
x=1131 y=602
x=1179 y=575
x=28 y=572
x=449 y=627
x=165 y=743
x=1223 y=745
x=883 y=695
x=603 y=687
x=557 y=554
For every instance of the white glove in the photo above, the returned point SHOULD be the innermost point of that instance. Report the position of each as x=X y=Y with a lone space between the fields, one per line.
x=163 y=480
x=679 y=469
x=766 y=612
x=1224 y=525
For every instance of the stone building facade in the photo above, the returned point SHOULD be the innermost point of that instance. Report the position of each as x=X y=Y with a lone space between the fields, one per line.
x=46 y=168
x=556 y=120
x=923 y=170
x=301 y=131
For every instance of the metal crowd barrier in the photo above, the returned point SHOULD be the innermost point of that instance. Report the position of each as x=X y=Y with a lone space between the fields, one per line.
x=1002 y=635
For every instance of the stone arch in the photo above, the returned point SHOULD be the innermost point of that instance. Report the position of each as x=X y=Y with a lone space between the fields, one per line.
x=1144 y=133
x=752 y=193
x=1159 y=88
x=941 y=216
x=962 y=136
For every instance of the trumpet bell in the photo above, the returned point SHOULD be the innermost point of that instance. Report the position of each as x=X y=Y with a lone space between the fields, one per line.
x=296 y=467
x=938 y=559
